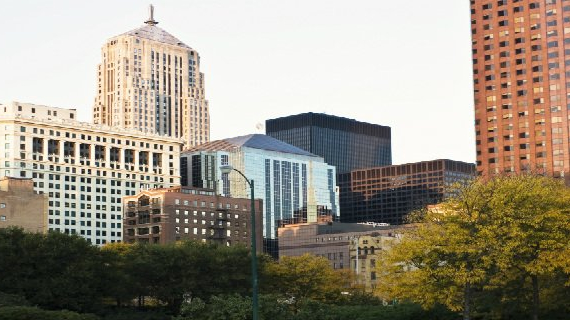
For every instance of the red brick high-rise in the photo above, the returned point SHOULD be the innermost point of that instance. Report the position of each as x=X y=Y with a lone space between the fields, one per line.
x=521 y=67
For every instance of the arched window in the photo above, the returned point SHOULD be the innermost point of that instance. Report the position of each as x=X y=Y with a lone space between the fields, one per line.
x=144 y=201
x=371 y=250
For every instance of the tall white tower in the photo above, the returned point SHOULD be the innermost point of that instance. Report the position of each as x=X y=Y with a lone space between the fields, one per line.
x=151 y=81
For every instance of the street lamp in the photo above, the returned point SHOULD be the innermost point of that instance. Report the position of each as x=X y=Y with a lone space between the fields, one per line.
x=227 y=169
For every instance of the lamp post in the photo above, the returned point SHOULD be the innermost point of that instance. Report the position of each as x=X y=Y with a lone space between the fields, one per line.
x=227 y=169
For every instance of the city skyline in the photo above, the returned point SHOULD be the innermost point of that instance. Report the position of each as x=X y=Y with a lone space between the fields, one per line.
x=407 y=68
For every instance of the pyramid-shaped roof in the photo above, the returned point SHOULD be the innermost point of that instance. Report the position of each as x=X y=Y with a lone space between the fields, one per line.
x=254 y=141
x=152 y=32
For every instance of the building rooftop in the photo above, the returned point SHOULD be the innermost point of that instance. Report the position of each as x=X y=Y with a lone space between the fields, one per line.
x=327 y=121
x=254 y=141
x=72 y=123
x=341 y=227
x=152 y=32
x=446 y=164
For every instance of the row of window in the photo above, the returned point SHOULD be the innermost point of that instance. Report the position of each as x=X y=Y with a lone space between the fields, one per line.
x=97 y=138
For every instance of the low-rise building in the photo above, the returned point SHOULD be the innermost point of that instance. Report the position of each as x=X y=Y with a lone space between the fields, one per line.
x=21 y=207
x=172 y=214
x=365 y=252
x=351 y=246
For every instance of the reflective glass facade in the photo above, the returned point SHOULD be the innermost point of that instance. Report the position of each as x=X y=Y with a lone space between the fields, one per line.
x=345 y=143
x=387 y=194
x=295 y=188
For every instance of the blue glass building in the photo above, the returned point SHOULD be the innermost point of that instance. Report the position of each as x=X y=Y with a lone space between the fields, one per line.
x=296 y=186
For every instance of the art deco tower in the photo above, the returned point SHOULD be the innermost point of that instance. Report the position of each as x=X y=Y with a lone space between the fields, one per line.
x=151 y=81
x=521 y=66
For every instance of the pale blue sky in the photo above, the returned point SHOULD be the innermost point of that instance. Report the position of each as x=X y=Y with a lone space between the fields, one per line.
x=405 y=64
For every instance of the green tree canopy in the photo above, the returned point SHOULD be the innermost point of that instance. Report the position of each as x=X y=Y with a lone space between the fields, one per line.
x=299 y=278
x=495 y=238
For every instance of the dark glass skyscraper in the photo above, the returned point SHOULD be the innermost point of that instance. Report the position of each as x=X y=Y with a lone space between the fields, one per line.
x=344 y=143
x=387 y=194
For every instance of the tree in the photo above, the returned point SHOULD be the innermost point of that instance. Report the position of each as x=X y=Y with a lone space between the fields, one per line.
x=531 y=224
x=54 y=270
x=492 y=234
x=303 y=277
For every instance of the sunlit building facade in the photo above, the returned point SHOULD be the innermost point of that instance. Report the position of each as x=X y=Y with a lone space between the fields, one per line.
x=521 y=75
x=183 y=213
x=150 y=81
x=84 y=169
x=351 y=246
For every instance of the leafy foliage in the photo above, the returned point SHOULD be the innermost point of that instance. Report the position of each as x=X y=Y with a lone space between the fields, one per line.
x=486 y=250
x=304 y=277
x=54 y=270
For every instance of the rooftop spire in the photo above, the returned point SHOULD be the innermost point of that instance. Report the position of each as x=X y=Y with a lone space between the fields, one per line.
x=150 y=20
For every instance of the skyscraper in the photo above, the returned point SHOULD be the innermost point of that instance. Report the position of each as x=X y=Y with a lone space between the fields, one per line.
x=521 y=67
x=150 y=81
x=345 y=143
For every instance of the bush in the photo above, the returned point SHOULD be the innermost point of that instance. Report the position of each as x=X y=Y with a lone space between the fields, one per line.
x=128 y=313
x=33 y=313
x=12 y=300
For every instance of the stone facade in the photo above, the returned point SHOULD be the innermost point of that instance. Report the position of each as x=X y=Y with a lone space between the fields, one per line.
x=346 y=245
x=149 y=80
x=20 y=206
x=84 y=169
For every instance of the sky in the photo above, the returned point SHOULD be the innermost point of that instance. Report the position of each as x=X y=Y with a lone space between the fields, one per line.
x=403 y=64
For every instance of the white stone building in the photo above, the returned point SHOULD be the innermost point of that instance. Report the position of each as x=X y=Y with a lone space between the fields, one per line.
x=151 y=81
x=84 y=169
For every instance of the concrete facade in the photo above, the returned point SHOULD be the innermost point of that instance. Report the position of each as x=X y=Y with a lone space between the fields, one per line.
x=84 y=169
x=149 y=80
x=21 y=207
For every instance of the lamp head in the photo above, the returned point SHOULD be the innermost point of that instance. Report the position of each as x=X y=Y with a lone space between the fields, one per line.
x=226 y=169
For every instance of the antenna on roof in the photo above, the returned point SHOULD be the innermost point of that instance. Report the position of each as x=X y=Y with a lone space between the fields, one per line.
x=150 y=20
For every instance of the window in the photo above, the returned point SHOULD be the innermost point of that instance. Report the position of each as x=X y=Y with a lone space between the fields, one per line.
x=2 y=218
